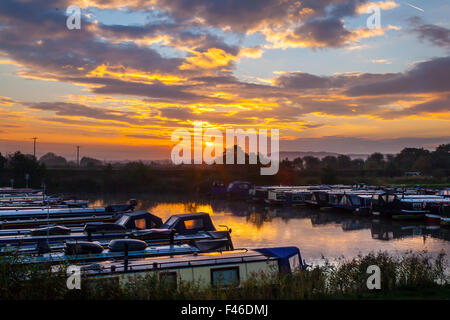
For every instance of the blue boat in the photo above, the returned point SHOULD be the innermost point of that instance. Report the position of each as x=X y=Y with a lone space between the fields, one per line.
x=218 y=189
x=239 y=189
x=354 y=202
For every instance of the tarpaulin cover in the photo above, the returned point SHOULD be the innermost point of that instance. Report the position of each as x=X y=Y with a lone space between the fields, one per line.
x=283 y=253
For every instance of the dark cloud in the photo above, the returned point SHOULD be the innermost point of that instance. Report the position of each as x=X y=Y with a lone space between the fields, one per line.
x=425 y=77
x=156 y=91
x=302 y=80
x=437 y=35
x=80 y=110
x=329 y=32
x=242 y=16
x=344 y=8
x=237 y=14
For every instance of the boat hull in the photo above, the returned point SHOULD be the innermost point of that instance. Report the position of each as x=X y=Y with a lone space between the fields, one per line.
x=433 y=218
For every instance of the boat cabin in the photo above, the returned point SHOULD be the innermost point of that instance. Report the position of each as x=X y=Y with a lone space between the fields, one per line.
x=239 y=189
x=137 y=220
x=189 y=223
x=354 y=201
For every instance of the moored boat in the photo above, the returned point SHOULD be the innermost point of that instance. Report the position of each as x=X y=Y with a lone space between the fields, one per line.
x=222 y=268
x=433 y=218
x=139 y=225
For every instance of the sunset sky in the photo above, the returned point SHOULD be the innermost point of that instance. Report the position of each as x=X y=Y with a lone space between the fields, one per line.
x=139 y=69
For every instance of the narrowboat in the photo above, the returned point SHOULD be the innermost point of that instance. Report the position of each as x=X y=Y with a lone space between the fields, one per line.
x=9 y=190
x=433 y=218
x=139 y=225
x=259 y=194
x=404 y=207
x=46 y=213
x=318 y=199
x=445 y=215
x=223 y=268
x=239 y=190
x=353 y=202
x=445 y=193
x=445 y=222
x=297 y=197
x=276 y=196
x=85 y=251
x=218 y=189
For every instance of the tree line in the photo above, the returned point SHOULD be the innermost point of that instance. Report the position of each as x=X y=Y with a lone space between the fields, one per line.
x=61 y=174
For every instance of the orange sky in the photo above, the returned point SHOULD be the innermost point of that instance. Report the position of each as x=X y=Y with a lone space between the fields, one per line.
x=127 y=79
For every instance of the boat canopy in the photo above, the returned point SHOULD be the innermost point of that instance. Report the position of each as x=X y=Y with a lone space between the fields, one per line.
x=289 y=257
x=139 y=220
x=189 y=223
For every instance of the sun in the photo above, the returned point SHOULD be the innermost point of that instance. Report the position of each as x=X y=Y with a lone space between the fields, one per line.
x=209 y=143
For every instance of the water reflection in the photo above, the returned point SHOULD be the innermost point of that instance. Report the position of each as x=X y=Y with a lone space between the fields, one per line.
x=317 y=233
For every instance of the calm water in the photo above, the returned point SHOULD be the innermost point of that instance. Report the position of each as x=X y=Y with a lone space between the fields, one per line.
x=318 y=234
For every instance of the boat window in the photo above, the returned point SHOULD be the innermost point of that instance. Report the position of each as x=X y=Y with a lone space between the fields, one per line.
x=280 y=196
x=169 y=223
x=140 y=223
x=356 y=201
x=225 y=276
x=123 y=220
x=193 y=224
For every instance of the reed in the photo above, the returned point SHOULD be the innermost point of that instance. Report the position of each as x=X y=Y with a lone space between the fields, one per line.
x=409 y=275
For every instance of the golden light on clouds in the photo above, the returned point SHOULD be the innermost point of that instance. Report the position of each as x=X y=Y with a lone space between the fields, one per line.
x=121 y=72
x=383 y=5
x=210 y=59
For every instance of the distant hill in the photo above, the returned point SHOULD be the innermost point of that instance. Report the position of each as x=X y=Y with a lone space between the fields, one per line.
x=322 y=154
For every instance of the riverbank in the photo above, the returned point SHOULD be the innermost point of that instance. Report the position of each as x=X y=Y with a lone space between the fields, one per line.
x=410 y=276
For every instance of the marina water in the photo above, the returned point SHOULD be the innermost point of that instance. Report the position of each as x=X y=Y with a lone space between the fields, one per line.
x=319 y=234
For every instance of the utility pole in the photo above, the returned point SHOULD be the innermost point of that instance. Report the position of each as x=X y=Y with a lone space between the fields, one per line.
x=34 y=152
x=78 y=156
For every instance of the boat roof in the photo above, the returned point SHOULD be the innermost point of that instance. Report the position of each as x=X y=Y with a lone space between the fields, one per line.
x=190 y=215
x=426 y=200
x=179 y=261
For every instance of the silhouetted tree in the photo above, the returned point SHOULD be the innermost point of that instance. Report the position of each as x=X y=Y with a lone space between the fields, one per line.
x=298 y=163
x=328 y=175
x=22 y=164
x=311 y=162
x=440 y=158
x=52 y=160
x=344 y=162
x=408 y=157
x=90 y=162
x=375 y=161
x=330 y=161
x=2 y=162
